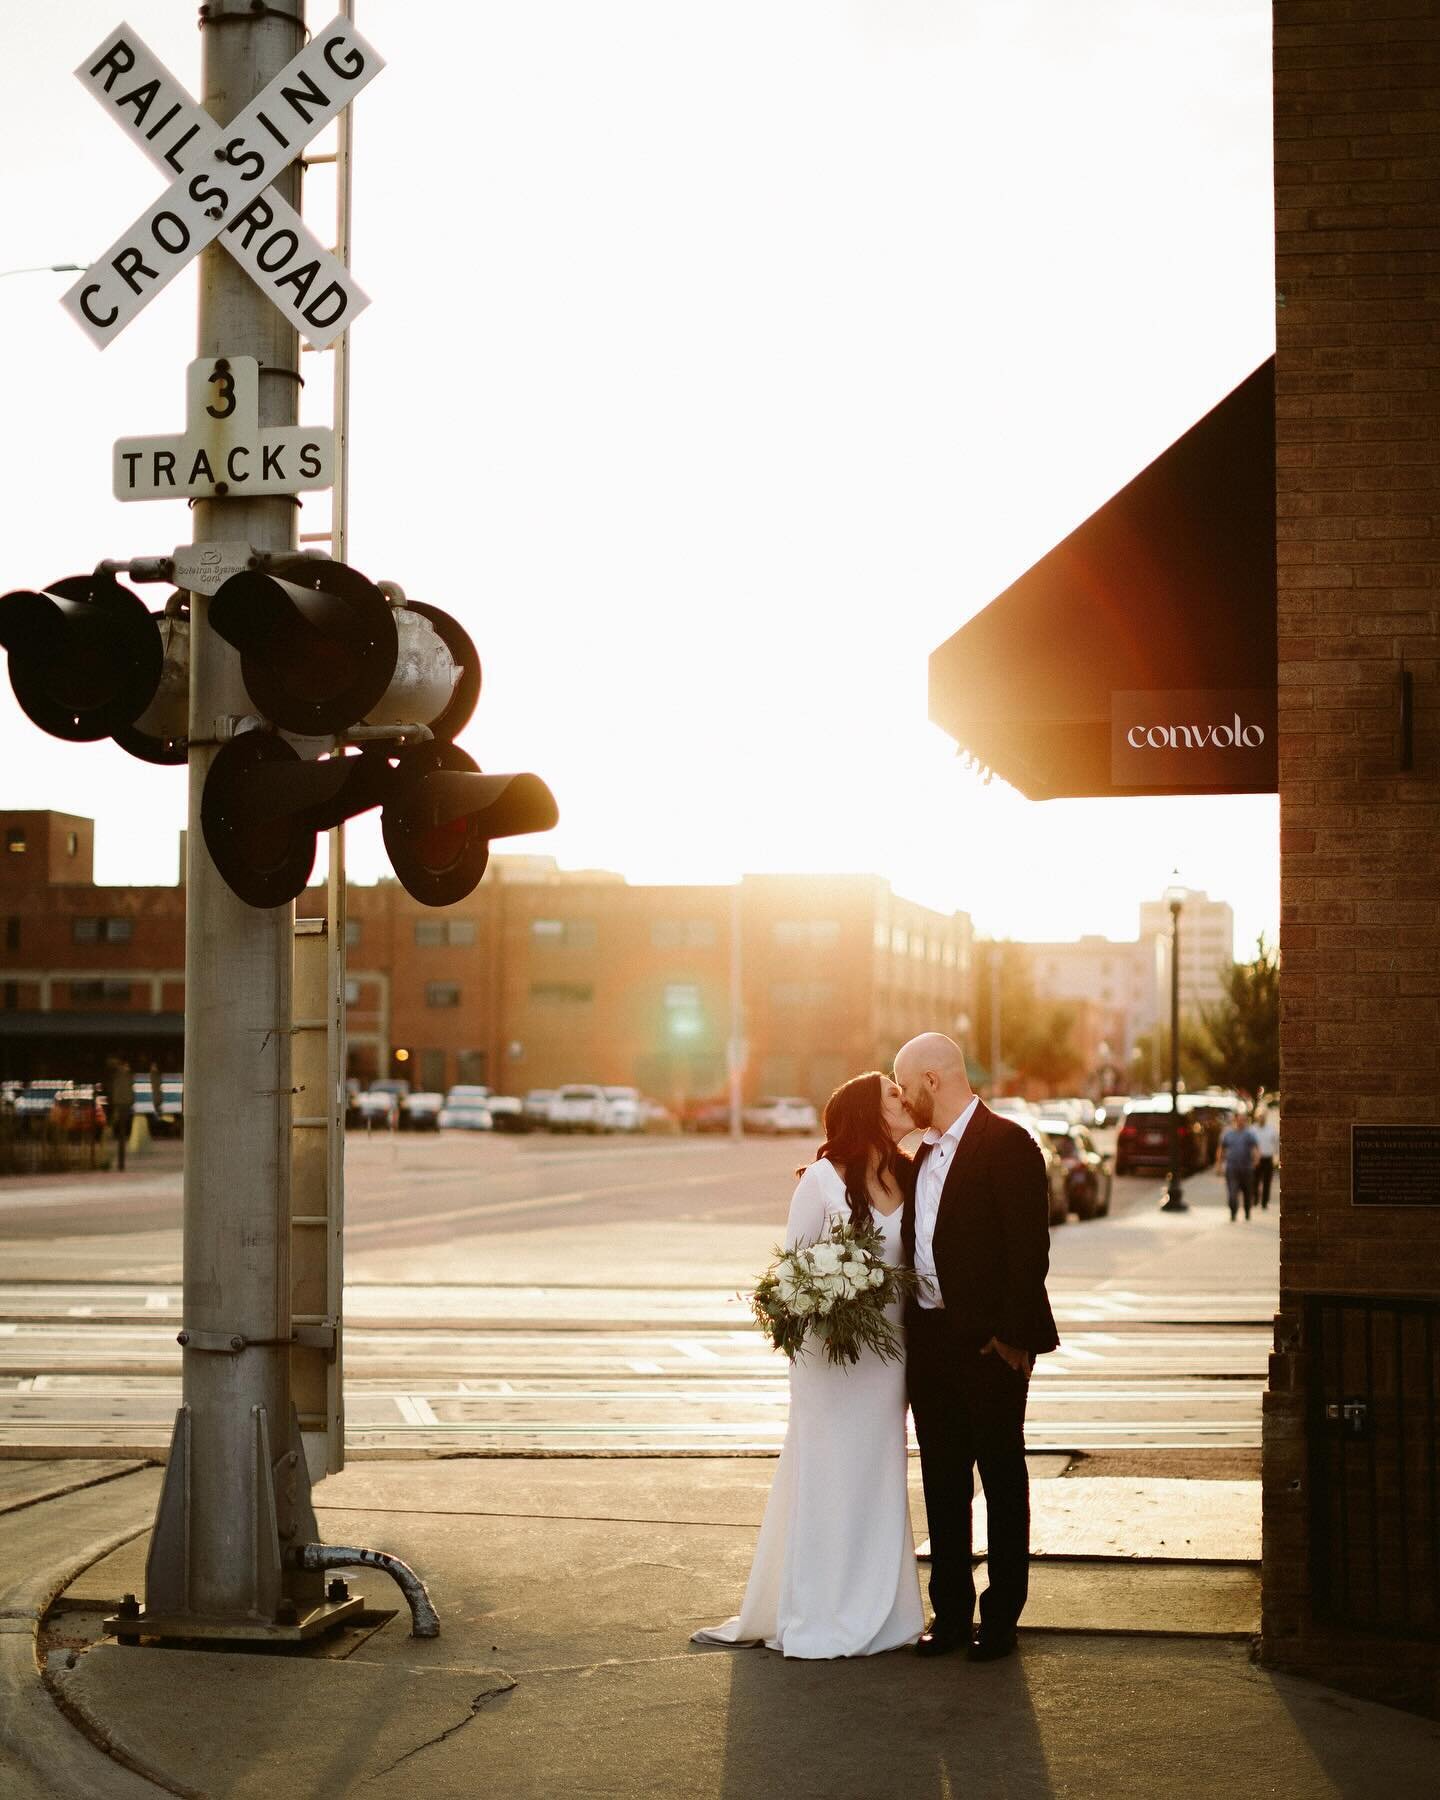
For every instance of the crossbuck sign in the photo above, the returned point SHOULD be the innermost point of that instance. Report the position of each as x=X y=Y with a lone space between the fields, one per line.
x=222 y=173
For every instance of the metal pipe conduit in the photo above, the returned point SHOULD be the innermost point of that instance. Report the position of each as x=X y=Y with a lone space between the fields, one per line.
x=424 y=1620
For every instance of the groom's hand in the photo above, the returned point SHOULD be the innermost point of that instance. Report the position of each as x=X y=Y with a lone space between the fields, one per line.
x=1019 y=1360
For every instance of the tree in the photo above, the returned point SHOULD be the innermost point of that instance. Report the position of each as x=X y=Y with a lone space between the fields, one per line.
x=1150 y=1057
x=1239 y=1042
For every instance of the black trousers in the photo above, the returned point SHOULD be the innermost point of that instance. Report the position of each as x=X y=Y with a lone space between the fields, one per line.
x=969 y=1411
x=1264 y=1175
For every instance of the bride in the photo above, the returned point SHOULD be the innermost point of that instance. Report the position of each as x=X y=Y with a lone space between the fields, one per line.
x=834 y=1571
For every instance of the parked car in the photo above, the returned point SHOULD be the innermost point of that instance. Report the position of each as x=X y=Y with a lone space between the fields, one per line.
x=658 y=1118
x=779 y=1117
x=1054 y=1170
x=537 y=1106
x=35 y=1103
x=1011 y=1106
x=391 y=1084
x=467 y=1108
x=581 y=1106
x=1109 y=1110
x=1078 y=1110
x=507 y=1113
x=421 y=1112
x=1145 y=1135
x=79 y=1111
x=1088 y=1180
x=377 y=1107
x=623 y=1106
x=708 y=1115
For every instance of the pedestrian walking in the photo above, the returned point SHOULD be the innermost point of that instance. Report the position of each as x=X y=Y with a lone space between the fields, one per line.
x=1267 y=1135
x=120 y=1091
x=1238 y=1154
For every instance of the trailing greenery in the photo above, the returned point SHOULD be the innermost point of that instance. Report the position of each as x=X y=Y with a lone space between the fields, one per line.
x=835 y=1290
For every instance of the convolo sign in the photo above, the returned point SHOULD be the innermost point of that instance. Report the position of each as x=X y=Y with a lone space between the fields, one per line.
x=1201 y=738
x=1234 y=736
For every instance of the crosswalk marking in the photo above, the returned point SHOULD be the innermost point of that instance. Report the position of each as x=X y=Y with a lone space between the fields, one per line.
x=414 y=1410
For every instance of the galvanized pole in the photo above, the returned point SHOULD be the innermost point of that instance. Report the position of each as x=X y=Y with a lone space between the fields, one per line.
x=235 y=1491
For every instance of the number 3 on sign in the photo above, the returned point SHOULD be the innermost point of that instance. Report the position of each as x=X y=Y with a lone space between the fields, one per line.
x=225 y=381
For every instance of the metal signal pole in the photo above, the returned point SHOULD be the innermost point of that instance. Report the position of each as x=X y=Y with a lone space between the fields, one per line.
x=236 y=1490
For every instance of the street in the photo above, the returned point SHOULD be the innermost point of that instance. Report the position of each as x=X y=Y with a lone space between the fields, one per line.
x=551 y=1294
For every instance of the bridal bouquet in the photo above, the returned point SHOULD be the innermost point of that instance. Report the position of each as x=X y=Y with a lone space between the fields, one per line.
x=835 y=1290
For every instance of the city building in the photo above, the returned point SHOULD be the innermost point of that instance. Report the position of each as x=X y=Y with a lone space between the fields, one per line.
x=540 y=977
x=1207 y=949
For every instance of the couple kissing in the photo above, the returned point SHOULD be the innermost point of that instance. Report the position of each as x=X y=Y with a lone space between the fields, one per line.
x=834 y=1572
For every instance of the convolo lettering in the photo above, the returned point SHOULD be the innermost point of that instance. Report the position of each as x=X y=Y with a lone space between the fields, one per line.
x=1234 y=736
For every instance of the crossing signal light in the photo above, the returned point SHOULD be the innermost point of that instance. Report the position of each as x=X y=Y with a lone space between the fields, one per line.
x=443 y=813
x=322 y=649
x=89 y=661
x=264 y=807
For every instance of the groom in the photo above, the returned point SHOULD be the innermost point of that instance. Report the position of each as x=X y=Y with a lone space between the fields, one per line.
x=976 y=1229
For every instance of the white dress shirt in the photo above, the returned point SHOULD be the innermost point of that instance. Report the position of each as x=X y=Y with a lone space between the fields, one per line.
x=928 y=1187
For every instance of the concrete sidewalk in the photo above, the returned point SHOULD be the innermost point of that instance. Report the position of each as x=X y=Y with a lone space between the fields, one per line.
x=567 y=1591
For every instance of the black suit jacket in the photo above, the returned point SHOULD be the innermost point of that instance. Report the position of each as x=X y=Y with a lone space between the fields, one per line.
x=992 y=1236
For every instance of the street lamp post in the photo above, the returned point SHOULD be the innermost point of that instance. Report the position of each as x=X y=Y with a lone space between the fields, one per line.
x=1174 y=1192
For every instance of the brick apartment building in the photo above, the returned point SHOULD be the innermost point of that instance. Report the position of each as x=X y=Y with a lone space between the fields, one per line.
x=541 y=976
x=1352 y=1533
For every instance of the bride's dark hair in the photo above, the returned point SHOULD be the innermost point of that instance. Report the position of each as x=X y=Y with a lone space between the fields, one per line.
x=854 y=1130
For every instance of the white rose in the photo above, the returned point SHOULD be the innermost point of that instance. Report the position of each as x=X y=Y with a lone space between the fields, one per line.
x=824 y=1305
x=785 y=1286
x=877 y=1277
x=825 y=1258
x=803 y=1303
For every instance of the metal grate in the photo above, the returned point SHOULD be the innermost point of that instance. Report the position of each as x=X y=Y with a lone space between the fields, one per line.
x=1375 y=1461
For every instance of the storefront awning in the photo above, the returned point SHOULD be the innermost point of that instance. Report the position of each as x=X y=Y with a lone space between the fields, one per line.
x=121 y=1026
x=1138 y=656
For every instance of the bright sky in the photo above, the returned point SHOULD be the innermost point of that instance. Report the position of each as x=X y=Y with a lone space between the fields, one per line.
x=722 y=361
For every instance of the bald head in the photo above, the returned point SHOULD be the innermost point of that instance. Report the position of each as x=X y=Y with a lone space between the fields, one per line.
x=930 y=1073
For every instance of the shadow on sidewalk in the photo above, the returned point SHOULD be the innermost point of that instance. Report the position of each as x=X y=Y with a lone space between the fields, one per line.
x=873 y=1725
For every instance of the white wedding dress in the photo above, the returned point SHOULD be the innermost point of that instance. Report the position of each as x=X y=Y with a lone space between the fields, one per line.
x=834 y=1571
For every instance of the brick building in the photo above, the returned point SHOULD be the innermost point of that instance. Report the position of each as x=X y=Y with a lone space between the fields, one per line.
x=541 y=976
x=1352 y=1537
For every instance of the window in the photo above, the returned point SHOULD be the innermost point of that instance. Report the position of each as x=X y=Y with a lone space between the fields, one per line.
x=561 y=993
x=460 y=933
x=572 y=934
x=102 y=931
x=470 y=1067
x=429 y=933
x=442 y=993
x=354 y=931
x=352 y=993
x=917 y=946
x=12 y=934
x=683 y=934
x=15 y=840
x=12 y=995
x=87 y=993
x=819 y=933
x=432 y=1071
x=947 y=955
x=882 y=935
x=72 y=843
x=899 y=942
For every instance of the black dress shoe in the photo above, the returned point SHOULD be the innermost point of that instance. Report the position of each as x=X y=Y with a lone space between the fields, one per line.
x=990 y=1646
x=937 y=1641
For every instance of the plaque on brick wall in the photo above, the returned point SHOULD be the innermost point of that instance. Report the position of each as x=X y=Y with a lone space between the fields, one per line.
x=1395 y=1165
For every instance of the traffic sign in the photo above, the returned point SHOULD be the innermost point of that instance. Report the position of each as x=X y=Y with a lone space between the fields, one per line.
x=222 y=450
x=222 y=174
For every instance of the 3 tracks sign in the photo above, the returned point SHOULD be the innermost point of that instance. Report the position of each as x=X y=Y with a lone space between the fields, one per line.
x=222 y=176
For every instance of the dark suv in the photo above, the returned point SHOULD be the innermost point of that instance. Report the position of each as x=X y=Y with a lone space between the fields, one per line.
x=1144 y=1139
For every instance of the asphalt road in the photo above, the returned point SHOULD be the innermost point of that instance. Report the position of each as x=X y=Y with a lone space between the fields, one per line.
x=551 y=1294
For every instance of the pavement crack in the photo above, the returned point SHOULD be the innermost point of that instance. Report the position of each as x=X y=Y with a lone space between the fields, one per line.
x=481 y=1699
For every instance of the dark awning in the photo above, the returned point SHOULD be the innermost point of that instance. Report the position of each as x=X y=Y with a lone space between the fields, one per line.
x=1130 y=658
x=117 y=1025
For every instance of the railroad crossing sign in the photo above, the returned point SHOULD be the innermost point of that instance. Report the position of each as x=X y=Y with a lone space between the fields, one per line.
x=222 y=173
x=222 y=449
